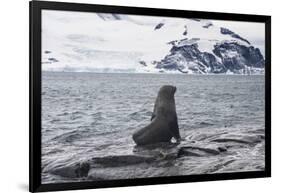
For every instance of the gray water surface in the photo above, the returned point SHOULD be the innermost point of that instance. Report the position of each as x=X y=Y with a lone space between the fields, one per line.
x=89 y=115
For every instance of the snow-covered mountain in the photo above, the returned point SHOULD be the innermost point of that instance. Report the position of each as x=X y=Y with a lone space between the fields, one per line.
x=125 y=43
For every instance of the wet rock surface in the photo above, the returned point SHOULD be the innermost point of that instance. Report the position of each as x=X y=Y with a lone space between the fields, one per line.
x=220 y=152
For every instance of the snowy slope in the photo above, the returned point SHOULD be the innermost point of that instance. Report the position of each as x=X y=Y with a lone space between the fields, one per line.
x=125 y=43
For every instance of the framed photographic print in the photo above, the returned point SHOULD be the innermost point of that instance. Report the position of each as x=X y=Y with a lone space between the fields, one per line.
x=124 y=96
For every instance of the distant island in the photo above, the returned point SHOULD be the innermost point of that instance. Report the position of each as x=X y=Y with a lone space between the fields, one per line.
x=131 y=44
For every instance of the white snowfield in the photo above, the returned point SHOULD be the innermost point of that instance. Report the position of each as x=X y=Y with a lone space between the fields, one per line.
x=95 y=42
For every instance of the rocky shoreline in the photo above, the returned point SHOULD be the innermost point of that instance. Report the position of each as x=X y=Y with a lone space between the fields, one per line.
x=169 y=159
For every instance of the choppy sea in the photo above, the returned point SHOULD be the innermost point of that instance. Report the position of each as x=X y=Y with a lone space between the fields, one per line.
x=91 y=116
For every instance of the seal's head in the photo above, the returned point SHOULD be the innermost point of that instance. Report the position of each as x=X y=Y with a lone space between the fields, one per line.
x=167 y=91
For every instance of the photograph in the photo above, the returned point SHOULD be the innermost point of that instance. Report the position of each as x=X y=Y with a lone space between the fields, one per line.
x=127 y=96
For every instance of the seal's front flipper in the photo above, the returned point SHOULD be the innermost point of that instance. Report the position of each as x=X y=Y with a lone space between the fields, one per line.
x=152 y=116
x=174 y=129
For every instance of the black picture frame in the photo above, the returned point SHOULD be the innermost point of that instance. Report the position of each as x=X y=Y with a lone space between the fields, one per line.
x=35 y=8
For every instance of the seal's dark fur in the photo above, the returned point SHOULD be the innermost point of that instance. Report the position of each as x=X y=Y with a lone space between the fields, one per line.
x=164 y=122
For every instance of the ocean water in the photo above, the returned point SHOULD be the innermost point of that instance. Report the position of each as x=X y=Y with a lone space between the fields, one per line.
x=89 y=116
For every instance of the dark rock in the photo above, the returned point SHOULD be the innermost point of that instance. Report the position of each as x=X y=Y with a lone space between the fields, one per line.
x=226 y=31
x=158 y=26
x=207 y=25
x=76 y=170
x=185 y=31
x=143 y=63
x=185 y=56
x=173 y=43
x=190 y=57
x=120 y=160
x=53 y=59
x=244 y=56
x=47 y=52
x=224 y=140
x=106 y=16
x=195 y=19
x=159 y=151
x=82 y=170
x=185 y=152
x=222 y=149
x=197 y=151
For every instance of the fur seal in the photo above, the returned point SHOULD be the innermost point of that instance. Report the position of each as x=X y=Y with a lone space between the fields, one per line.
x=164 y=121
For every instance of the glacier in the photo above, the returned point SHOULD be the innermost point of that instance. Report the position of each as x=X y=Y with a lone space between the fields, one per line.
x=118 y=43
